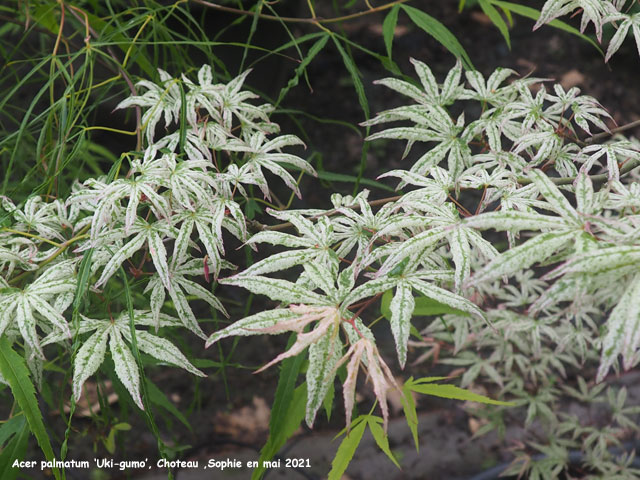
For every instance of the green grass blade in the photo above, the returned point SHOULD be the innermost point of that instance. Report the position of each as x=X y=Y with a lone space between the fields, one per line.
x=438 y=31
x=158 y=398
x=389 y=29
x=281 y=408
x=15 y=371
x=535 y=14
x=286 y=427
x=341 y=177
x=352 y=68
x=493 y=14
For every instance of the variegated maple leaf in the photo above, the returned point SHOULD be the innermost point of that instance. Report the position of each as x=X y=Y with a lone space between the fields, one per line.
x=116 y=333
x=37 y=305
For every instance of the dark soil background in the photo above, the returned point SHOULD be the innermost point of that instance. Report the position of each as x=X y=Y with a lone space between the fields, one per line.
x=229 y=412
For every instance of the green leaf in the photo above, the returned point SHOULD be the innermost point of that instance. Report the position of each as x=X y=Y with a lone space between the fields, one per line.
x=11 y=427
x=311 y=54
x=15 y=372
x=155 y=396
x=425 y=307
x=535 y=15
x=497 y=19
x=456 y=393
x=15 y=449
x=288 y=422
x=438 y=31
x=410 y=413
x=355 y=76
x=381 y=438
x=347 y=449
x=389 y=28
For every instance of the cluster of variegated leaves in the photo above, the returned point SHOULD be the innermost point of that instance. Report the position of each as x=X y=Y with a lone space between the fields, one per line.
x=507 y=161
x=426 y=243
x=145 y=223
x=566 y=285
x=616 y=13
x=524 y=170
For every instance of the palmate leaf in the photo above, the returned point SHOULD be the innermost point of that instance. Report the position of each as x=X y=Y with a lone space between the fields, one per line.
x=116 y=333
x=22 y=306
x=629 y=21
x=347 y=449
x=352 y=439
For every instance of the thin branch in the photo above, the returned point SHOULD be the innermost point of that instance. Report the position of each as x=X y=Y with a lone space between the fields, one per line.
x=602 y=177
x=120 y=70
x=613 y=131
x=599 y=178
x=310 y=20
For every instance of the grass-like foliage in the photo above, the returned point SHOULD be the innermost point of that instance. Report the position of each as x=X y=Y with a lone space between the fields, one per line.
x=515 y=228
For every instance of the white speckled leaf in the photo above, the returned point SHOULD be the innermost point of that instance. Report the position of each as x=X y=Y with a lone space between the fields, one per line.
x=120 y=256
x=623 y=331
x=554 y=196
x=163 y=350
x=276 y=289
x=125 y=366
x=401 y=306
x=253 y=325
x=523 y=256
x=412 y=246
x=461 y=254
x=159 y=257
x=323 y=356
x=89 y=358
